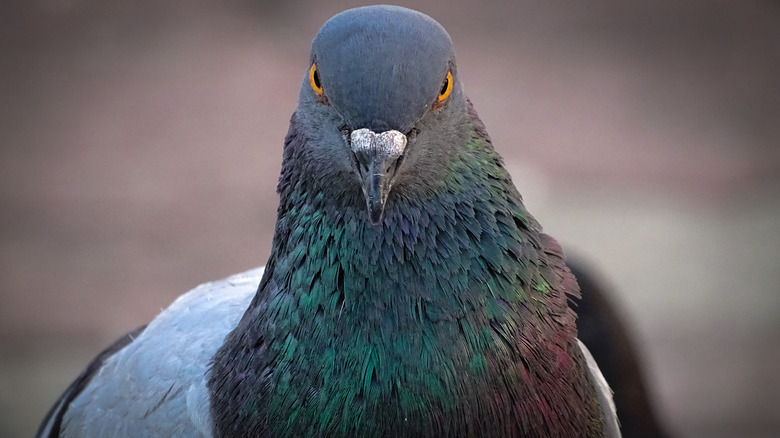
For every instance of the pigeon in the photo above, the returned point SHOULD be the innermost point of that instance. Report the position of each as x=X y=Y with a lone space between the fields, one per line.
x=408 y=293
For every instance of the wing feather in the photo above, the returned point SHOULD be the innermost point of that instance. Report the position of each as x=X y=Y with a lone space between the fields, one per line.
x=152 y=382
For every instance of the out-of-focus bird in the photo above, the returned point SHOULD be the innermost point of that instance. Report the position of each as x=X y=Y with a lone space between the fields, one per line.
x=408 y=291
x=605 y=331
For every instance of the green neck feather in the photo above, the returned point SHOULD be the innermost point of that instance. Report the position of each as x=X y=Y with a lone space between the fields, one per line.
x=408 y=328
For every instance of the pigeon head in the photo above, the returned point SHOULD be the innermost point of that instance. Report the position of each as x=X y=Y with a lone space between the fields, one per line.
x=380 y=102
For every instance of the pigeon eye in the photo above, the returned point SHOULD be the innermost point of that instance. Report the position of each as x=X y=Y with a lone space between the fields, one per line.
x=446 y=88
x=314 y=79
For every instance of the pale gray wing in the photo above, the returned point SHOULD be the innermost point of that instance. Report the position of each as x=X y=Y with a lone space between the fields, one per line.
x=155 y=383
x=604 y=393
x=50 y=427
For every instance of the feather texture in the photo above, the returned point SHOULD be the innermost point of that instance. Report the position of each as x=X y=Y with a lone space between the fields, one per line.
x=155 y=385
x=454 y=323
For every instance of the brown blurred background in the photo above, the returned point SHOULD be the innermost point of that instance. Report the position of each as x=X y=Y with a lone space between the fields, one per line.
x=141 y=142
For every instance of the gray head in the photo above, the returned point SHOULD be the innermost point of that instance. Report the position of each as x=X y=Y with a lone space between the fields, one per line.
x=379 y=98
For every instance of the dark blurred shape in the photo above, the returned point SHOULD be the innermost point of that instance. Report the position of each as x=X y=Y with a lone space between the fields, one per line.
x=603 y=330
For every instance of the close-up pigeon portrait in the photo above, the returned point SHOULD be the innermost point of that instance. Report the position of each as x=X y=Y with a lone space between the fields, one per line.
x=335 y=219
x=408 y=292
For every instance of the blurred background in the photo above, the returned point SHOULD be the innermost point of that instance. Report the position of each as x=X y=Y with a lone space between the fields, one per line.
x=141 y=143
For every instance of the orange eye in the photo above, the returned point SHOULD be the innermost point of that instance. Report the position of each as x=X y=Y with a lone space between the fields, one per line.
x=446 y=88
x=314 y=79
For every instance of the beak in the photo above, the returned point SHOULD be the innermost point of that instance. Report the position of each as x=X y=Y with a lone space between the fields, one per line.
x=377 y=157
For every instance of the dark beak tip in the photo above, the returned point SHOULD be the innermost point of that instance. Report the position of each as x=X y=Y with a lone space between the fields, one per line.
x=375 y=211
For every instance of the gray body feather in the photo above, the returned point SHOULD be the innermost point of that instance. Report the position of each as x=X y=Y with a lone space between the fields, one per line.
x=156 y=385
